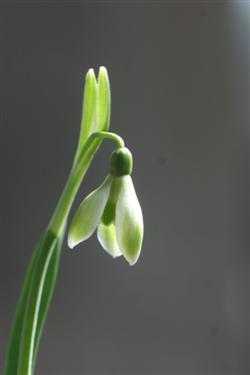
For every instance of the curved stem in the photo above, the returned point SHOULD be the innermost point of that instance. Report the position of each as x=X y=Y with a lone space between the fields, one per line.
x=115 y=137
x=73 y=183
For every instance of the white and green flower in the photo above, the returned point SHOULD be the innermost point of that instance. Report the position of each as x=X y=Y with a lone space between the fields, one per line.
x=114 y=210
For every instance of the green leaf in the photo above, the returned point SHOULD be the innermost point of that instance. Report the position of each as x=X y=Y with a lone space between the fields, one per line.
x=25 y=321
x=49 y=286
x=103 y=101
x=88 y=121
x=15 y=338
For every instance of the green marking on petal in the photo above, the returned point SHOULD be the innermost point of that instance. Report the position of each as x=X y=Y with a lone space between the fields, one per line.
x=109 y=213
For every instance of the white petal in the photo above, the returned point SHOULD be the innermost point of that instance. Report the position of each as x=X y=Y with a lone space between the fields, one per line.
x=88 y=215
x=107 y=238
x=128 y=221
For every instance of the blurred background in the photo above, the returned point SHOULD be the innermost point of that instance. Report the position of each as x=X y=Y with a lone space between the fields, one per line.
x=179 y=74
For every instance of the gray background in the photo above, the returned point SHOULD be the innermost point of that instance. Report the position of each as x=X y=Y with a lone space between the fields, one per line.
x=179 y=76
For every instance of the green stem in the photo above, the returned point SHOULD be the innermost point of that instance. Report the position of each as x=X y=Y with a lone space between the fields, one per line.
x=115 y=137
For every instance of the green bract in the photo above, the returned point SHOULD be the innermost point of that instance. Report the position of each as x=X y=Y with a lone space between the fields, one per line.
x=114 y=210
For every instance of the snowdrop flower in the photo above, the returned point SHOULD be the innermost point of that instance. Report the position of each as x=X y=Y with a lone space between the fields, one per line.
x=114 y=210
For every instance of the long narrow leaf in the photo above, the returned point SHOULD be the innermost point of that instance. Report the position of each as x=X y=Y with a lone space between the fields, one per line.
x=39 y=288
x=49 y=286
x=15 y=338
x=88 y=121
x=103 y=101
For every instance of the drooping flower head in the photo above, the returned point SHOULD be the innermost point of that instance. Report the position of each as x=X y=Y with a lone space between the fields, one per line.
x=114 y=210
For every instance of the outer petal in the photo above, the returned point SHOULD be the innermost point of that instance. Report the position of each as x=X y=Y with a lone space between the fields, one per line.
x=107 y=238
x=128 y=221
x=88 y=215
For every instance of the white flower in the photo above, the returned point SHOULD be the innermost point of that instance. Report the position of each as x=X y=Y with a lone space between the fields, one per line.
x=114 y=210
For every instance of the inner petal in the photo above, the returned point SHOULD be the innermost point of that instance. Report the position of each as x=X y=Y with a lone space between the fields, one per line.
x=107 y=237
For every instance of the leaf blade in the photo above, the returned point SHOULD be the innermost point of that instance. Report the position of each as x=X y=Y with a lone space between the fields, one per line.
x=88 y=120
x=49 y=287
x=16 y=348
x=103 y=111
x=15 y=336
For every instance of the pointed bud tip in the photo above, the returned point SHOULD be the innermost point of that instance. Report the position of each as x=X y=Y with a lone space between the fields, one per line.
x=102 y=69
x=90 y=72
x=90 y=79
x=103 y=75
